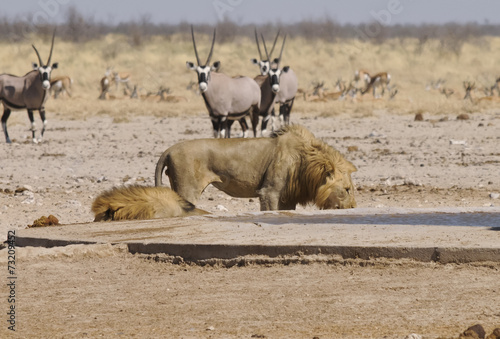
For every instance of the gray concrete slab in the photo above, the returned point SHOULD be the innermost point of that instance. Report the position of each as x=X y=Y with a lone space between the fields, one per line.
x=442 y=235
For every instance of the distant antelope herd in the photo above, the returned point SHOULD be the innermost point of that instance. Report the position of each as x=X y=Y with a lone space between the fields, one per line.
x=362 y=83
x=227 y=98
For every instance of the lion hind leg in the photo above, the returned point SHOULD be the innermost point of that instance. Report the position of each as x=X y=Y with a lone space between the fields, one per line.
x=191 y=189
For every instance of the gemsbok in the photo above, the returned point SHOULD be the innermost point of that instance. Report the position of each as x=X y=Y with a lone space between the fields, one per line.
x=27 y=92
x=227 y=99
x=284 y=82
x=286 y=86
x=265 y=82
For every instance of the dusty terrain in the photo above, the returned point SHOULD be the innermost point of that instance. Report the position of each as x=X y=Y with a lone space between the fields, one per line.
x=400 y=162
x=92 y=291
x=97 y=291
x=91 y=145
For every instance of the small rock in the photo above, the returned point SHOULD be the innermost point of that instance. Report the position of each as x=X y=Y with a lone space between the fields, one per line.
x=463 y=116
x=211 y=328
x=419 y=117
x=473 y=332
x=375 y=134
x=413 y=336
x=221 y=208
x=458 y=142
x=102 y=179
x=352 y=149
x=20 y=190
x=494 y=195
x=30 y=197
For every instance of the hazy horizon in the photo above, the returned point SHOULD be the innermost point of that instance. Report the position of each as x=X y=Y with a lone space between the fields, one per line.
x=387 y=12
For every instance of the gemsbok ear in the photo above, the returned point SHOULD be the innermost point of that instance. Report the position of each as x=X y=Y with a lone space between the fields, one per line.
x=215 y=66
x=190 y=65
x=254 y=61
x=55 y=65
x=35 y=65
x=276 y=60
x=286 y=68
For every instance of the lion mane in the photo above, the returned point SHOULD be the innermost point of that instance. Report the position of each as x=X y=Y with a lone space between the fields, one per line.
x=318 y=162
x=289 y=168
x=141 y=202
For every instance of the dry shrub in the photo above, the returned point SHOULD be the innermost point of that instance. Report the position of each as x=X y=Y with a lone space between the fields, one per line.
x=45 y=221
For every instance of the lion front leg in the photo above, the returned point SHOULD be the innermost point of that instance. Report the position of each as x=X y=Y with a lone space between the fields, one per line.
x=271 y=200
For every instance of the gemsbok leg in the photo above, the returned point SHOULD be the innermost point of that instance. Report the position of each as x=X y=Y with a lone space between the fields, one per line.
x=5 y=117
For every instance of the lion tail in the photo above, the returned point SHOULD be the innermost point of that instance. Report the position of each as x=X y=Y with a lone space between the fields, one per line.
x=141 y=202
x=160 y=165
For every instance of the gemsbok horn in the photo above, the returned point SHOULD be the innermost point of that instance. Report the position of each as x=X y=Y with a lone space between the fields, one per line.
x=27 y=92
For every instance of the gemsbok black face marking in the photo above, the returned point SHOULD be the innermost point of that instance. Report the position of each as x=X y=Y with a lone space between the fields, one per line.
x=28 y=92
x=227 y=99
x=203 y=71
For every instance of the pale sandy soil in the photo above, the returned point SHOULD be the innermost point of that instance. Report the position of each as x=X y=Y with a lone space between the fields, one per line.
x=102 y=292
x=95 y=291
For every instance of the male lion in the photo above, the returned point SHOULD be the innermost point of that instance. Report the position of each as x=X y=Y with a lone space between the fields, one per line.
x=292 y=167
x=141 y=202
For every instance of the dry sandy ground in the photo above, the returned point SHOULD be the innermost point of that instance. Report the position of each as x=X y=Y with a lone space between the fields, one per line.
x=98 y=291
x=91 y=291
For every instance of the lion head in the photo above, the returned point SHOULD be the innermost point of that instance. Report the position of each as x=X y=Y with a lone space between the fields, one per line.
x=321 y=175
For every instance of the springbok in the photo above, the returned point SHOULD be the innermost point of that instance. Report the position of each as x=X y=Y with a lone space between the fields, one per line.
x=106 y=82
x=60 y=84
x=27 y=92
x=381 y=80
x=471 y=87
x=363 y=76
x=227 y=99
x=336 y=95
x=447 y=92
x=121 y=77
